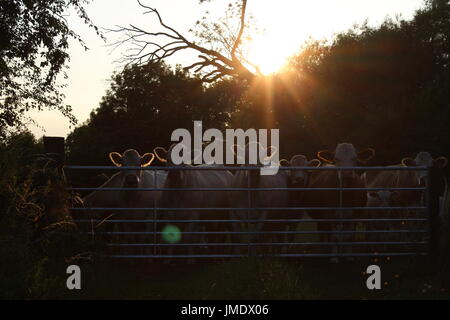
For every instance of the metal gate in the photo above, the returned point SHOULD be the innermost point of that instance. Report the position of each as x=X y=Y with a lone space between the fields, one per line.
x=399 y=231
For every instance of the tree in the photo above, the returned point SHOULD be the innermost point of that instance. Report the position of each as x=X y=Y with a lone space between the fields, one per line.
x=384 y=87
x=220 y=49
x=34 y=39
x=143 y=106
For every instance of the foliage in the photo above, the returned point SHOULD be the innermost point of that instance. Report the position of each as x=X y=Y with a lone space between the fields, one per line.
x=143 y=106
x=37 y=233
x=34 y=39
x=381 y=86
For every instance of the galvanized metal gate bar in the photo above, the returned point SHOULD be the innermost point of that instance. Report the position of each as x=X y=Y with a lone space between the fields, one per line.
x=417 y=247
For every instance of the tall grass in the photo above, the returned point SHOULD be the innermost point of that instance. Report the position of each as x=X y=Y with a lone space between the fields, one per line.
x=37 y=233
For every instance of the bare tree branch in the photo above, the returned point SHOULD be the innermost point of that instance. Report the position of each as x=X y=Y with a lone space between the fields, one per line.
x=156 y=46
x=241 y=29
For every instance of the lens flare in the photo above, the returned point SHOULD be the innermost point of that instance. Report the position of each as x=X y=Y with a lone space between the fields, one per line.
x=171 y=234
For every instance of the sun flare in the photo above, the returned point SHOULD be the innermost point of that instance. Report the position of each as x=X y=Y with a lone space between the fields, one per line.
x=269 y=53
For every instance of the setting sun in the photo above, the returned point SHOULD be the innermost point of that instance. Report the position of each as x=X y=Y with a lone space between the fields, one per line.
x=278 y=40
x=270 y=53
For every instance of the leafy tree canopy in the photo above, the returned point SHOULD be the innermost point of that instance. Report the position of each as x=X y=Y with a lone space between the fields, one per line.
x=34 y=37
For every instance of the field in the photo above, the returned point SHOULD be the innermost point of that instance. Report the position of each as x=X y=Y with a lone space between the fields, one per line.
x=263 y=278
x=259 y=279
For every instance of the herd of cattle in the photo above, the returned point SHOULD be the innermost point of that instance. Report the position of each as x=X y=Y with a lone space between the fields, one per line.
x=263 y=222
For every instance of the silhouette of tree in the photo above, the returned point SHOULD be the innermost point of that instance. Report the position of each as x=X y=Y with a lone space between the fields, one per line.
x=33 y=52
x=220 y=48
x=143 y=106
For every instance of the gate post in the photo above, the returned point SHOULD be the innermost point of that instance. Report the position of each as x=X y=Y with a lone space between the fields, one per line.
x=433 y=215
x=54 y=149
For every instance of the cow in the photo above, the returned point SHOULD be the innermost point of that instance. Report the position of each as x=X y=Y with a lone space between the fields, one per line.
x=418 y=178
x=297 y=179
x=384 y=197
x=380 y=199
x=188 y=179
x=423 y=159
x=345 y=155
x=408 y=179
x=258 y=199
x=131 y=179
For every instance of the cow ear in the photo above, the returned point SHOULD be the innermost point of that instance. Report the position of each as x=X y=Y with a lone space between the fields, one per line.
x=440 y=162
x=365 y=155
x=326 y=156
x=147 y=159
x=314 y=163
x=160 y=153
x=408 y=162
x=116 y=158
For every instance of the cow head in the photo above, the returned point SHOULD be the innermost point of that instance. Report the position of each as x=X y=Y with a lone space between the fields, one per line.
x=131 y=158
x=424 y=159
x=163 y=155
x=382 y=198
x=300 y=177
x=253 y=153
x=346 y=155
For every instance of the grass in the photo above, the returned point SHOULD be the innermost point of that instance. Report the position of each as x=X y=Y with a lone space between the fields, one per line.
x=35 y=258
x=402 y=278
x=257 y=279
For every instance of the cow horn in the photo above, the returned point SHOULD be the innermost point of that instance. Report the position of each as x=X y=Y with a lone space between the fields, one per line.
x=273 y=151
x=314 y=163
x=117 y=162
x=322 y=155
x=440 y=162
x=148 y=154
x=160 y=158
x=284 y=163
x=408 y=162
x=369 y=153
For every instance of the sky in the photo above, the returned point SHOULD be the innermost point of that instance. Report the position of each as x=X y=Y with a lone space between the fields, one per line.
x=286 y=25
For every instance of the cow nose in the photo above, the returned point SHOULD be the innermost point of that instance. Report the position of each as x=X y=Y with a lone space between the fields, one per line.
x=131 y=181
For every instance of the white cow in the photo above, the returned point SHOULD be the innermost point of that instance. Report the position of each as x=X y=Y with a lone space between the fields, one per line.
x=258 y=199
x=131 y=179
x=408 y=179
x=345 y=155
x=297 y=179
x=188 y=179
x=423 y=159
